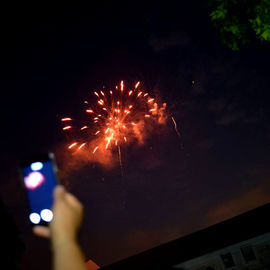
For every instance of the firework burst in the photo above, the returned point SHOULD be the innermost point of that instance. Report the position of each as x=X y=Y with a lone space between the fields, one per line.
x=119 y=116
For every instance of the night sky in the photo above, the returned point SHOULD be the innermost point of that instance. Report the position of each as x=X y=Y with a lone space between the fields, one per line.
x=55 y=56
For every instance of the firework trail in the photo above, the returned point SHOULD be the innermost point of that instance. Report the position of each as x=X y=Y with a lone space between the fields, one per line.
x=120 y=160
x=118 y=117
x=175 y=127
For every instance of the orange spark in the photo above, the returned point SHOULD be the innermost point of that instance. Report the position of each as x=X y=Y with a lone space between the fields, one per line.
x=130 y=92
x=67 y=127
x=66 y=119
x=89 y=111
x=96 y=94
x=137 y=84
x=96 y=148
x=122 y=85
x=139 y=94
x=150 y=100
x=84 y=127
x=72 y=145
x=81 y=146
x=109 y=140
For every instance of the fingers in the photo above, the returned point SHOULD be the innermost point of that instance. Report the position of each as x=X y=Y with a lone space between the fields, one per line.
x=74 y=202
x=59 y=193
x=42 y=231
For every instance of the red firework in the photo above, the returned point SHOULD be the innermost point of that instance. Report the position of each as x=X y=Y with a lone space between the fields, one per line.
x=119 y=116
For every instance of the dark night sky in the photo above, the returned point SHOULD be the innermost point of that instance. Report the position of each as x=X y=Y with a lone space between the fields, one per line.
x=54 y=55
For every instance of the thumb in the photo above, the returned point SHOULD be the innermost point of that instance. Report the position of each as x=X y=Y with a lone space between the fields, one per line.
x=59 y=193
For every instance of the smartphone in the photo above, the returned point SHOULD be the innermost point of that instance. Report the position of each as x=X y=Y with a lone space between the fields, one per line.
x=39 y=175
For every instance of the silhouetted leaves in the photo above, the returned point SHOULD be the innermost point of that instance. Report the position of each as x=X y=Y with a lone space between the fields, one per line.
x=238 y=22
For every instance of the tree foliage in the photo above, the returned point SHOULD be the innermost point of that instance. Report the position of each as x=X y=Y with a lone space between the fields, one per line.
x=238 y=21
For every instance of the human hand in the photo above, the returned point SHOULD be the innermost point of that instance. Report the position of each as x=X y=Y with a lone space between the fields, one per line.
x=68 y=212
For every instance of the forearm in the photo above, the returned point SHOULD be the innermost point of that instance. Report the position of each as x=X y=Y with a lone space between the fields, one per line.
x=68 y=255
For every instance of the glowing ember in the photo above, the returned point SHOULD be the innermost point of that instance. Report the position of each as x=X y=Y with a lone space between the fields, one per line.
x=72 y=145
x=66 y=119
x=82 y=145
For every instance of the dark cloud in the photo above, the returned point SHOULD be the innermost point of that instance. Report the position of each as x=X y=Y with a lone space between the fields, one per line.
x=230 y=118
x=253 y=191
x=206 y=143
x=217 y=104
x=241 y=203
x=171 y=40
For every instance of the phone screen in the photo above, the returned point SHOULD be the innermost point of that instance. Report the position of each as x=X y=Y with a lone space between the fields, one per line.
x=39 y=178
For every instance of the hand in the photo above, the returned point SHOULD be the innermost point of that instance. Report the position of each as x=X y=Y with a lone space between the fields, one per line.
x=67 y=211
